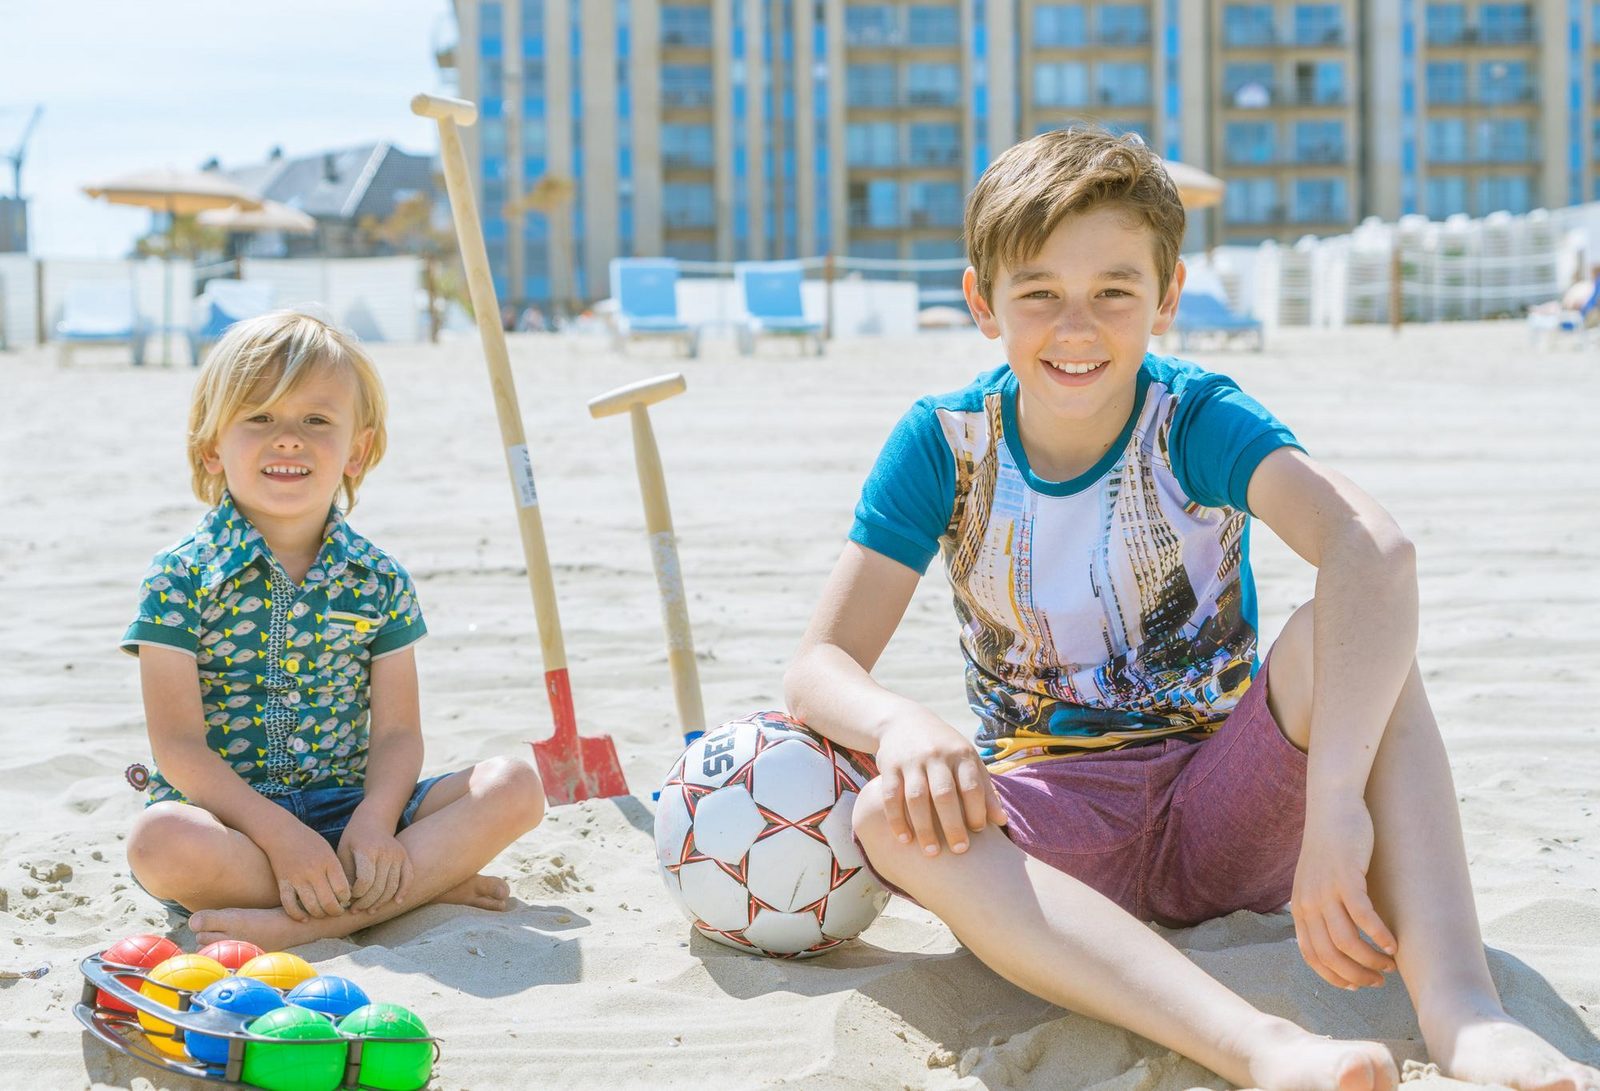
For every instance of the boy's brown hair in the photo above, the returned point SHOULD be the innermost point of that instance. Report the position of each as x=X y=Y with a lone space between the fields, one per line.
x=1024 y=194
x=261 y=359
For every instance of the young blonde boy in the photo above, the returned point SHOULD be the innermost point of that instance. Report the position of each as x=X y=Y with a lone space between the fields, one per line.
x=1092 y=504
x=276 y=660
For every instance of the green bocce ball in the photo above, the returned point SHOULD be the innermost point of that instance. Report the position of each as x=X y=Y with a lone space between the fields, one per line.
x=390 y=1066
x=297 y=1064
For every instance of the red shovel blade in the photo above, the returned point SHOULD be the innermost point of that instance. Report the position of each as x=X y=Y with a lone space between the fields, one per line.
x=575 y=767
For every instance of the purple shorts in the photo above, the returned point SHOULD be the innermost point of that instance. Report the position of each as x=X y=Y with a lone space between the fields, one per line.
x=1175 y=831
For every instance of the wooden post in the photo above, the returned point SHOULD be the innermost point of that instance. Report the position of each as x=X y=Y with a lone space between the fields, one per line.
x=827 y=297
x=1396 y=292
x=39 y=333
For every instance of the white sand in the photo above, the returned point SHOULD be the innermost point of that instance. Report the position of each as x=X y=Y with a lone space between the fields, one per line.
x=1483 y=448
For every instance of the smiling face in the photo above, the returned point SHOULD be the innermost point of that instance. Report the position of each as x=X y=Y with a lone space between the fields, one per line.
x=285 y=462
x=1076 y=319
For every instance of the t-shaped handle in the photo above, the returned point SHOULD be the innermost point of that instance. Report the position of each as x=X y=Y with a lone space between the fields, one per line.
x=642 y=393
x=441 y=108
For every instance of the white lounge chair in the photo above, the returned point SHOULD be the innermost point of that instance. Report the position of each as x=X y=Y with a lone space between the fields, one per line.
x=220 y=305
x=100 y=312
x=770 y=291
x=646 y=294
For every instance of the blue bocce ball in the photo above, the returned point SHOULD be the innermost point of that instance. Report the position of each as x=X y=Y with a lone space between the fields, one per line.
x=240 y=995
x=335 y=997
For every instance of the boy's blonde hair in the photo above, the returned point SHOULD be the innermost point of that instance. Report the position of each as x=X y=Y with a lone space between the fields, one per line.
x=257 y=362
x=1024 y=194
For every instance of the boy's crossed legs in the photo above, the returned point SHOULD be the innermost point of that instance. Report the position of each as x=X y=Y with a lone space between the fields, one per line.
x=463 y=822
x=1064 y=941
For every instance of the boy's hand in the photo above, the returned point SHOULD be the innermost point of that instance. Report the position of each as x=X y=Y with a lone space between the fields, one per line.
x=934 y=782
x=1330 y=904
x=311 y=882
x=377 y=863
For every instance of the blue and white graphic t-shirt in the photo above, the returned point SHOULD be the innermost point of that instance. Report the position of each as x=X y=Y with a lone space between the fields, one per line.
x=1100 y=612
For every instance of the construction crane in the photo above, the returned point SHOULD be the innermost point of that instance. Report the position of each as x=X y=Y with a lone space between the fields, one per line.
x=15 y=155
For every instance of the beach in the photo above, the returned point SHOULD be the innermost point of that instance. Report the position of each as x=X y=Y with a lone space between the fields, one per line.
x=1483 y=446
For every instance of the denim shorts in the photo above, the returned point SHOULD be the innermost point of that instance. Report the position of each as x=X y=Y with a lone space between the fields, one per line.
x=327 y=811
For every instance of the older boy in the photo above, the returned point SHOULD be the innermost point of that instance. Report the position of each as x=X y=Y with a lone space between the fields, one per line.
x=1092 y=503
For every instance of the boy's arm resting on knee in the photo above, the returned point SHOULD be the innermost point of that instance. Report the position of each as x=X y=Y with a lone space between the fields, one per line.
x=1363 y=645
x=310 y=880
x=932 y=779
x=375 y=861
x=1365 y=621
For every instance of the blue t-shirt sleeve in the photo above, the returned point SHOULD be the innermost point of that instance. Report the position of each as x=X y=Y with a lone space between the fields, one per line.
x=906 y=499
x=1219 y=436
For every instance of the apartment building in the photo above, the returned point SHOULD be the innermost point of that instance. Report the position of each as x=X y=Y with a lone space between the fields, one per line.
x=746 y=129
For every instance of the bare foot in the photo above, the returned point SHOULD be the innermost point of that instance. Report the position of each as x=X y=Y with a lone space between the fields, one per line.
x=1283 y=1057
x=270 y=929
x=1503 y=1051
x=480 y=892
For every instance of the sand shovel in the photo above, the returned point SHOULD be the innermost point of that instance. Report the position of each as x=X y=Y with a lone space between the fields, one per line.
x=572 y=767
x=636 y=398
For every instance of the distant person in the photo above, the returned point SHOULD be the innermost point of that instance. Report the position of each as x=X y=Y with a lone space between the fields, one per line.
x=1092 y=503
x=276 y=657
x=531 y=320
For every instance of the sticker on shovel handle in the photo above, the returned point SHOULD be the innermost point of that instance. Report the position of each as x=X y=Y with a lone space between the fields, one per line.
x=522 y=475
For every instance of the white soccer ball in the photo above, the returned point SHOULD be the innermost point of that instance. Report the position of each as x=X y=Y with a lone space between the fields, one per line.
x=754 y=838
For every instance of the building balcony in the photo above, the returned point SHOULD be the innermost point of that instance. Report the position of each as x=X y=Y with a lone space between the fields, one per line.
x=1478 y=36
x=1272 y=39
x=1123 y=38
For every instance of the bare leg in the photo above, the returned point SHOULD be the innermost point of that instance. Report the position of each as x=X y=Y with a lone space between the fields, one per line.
x=1419 y=884
x=464 y=822
x=1065 y=942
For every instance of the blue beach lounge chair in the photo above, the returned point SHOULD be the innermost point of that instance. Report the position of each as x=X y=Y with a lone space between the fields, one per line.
x=223 y=303
x=100 y=312
x=1200 y=313
x=646 y=294
x=770 y=291
x=1577 y=312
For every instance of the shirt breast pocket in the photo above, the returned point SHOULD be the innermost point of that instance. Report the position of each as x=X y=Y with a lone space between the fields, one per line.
x=355 y=626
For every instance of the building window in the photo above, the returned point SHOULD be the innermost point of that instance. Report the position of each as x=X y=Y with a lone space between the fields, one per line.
x=1062 y=83
x=1252 y=201
x=1124 y=128
x=1506 y=140
x=685 y=86
x=1118 y=83
x=1506 y=24
x=1060 y=26
x=871 y=144
x=933 y=24
x=870 y=85
x=1319 y=83
x=686 y=145
x=687 y=204
x=1447 y=141
x=935 y=144
x=1504 y=81
x=1446 y=195
x=1447 y=83
x=870 y=24
x=934 y=204
x=1123 y=24
x=1250 y=141
x=933 y=84
x=1249 y=85
x=1318 y=24
x=1247 y=25
x=685 y=24
x=1446 y=24
x=1319 y=142
x=875 y=203
x=1512 y=193
x=690 y=249
x=1320 y=200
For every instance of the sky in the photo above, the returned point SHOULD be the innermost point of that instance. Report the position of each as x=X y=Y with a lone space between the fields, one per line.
x=131 y=84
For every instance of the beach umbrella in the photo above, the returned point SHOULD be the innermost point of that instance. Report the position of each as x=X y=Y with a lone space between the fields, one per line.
x=269 y=216
x=177 y=193
x=1196 y=188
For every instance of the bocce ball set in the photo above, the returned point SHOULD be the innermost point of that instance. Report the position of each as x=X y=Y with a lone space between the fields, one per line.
x=232 y=1013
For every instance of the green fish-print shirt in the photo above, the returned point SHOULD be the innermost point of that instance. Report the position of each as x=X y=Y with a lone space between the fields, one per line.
x=285 y=674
